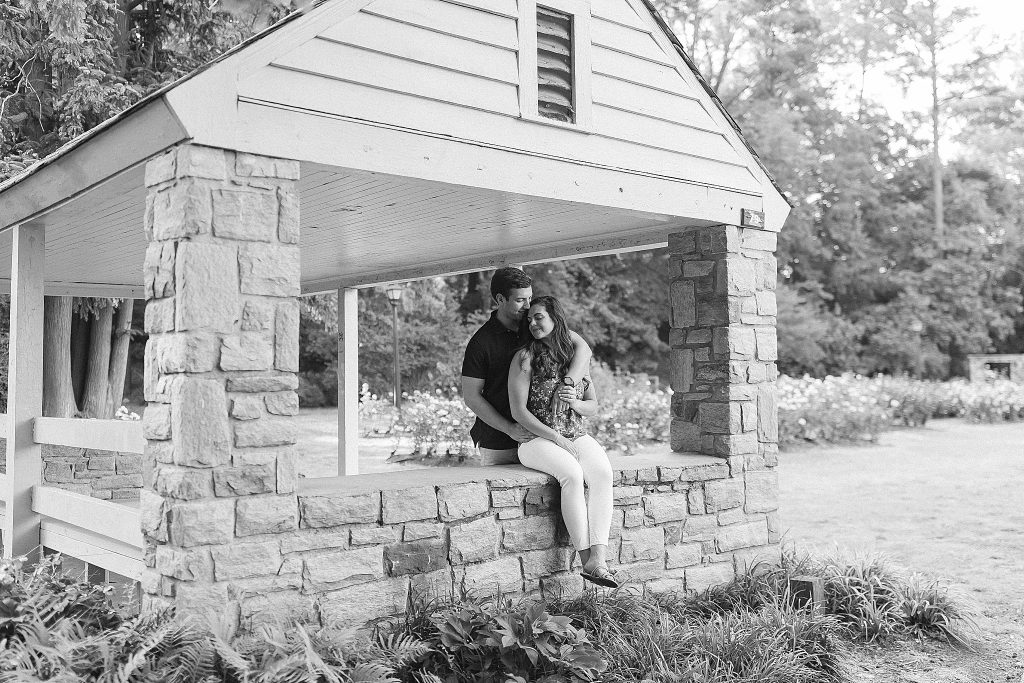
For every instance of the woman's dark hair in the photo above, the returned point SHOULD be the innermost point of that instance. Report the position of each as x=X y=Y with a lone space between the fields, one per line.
x=553 y=352
x=508 y=278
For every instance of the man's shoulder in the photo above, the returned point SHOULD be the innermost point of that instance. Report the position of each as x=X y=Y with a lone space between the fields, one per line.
x=483 y=334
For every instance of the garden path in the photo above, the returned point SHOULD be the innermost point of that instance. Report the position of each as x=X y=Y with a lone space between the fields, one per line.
x=947 y=500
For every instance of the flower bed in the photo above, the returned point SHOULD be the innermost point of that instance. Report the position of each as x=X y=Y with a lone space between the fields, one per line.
x=851 y=408
x=635 y=412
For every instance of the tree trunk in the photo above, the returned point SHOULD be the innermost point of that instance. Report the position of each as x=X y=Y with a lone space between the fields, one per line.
x=119 y=356
x=98 y=369
x=80 y=327
x=933 y=48
x=58 y=392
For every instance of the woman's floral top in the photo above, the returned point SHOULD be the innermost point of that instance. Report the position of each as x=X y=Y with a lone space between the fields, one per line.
x=569 y=423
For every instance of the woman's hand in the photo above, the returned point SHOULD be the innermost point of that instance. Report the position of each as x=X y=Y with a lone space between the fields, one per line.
x=561 y=400
x=565 y=443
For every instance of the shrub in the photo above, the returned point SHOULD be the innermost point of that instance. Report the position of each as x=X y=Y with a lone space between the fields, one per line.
x=661 y=637
x=437 y=423
x=851 y=408
x=57 y=628
x=929 y=609
x=832 y=410
x=501 y=641
x=633 y=410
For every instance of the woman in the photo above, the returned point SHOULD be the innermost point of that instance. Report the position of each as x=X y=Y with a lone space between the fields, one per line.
x=562 y=448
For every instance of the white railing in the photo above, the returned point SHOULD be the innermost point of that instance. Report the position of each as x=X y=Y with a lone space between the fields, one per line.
x=100 y=532
x=123 y=436
x=103 y=533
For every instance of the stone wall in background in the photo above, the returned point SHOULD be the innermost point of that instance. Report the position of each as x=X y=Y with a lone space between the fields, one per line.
x=100 y=474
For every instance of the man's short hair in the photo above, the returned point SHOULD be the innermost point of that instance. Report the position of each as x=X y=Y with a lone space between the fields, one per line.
x=508 y=278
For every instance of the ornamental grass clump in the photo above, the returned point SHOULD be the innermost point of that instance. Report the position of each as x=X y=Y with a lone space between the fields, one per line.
x=658 y=637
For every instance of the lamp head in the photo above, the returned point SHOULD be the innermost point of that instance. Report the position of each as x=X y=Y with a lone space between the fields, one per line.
x=394 y=293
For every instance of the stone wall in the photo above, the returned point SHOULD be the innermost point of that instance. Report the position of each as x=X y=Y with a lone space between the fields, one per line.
x=723 y=342
x=101 y=474
x=230 y=532
x=355 y=549
x=222 y=313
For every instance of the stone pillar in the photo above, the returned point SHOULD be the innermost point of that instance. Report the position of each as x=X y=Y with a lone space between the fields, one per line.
x=723 y=342
x=222 y=314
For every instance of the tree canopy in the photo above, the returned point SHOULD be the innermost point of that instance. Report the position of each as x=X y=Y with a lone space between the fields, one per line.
x=865 y=284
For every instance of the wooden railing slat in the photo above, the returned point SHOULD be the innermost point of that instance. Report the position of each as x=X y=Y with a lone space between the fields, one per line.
x=122 y=436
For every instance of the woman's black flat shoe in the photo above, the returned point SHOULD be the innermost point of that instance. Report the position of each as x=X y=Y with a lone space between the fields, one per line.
x=601 y=577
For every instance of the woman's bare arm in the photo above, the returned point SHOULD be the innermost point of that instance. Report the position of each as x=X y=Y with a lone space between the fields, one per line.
x=585 y=406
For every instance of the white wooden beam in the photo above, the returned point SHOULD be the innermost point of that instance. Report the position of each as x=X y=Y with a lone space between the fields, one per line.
x=348 y=382
x=384 y=148
x=649 y=239
x=117 y=521
x=122 y=436
x=91 y=547
x=102 y=290
x=24 y=390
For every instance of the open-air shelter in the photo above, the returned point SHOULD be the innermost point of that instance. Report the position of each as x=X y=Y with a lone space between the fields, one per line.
x=371 y=141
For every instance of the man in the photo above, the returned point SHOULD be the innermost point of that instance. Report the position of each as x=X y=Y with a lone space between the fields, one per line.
x=485 y=368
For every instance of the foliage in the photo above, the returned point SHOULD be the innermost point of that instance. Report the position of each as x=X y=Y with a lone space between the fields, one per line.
x=437 y=423
x=503 y=640
x=851 y=408
x=661 y=637
x=633 y=413
x=633 y=410
x=57 y=628
x=747 y=630
x=929 y=609
x=867 y=595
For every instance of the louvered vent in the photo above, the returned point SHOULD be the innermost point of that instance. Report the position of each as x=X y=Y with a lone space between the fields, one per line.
x=554 y=65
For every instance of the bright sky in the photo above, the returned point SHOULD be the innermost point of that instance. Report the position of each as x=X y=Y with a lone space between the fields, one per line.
x=1000 y=22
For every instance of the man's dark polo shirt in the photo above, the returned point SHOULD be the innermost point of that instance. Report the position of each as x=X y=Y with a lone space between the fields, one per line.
x=488 y=356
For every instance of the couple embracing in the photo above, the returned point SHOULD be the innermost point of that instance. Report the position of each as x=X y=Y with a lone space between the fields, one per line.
x=525 y=376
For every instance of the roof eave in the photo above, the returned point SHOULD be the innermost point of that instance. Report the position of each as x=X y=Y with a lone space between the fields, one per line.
x=90 y=160
x=718 y=101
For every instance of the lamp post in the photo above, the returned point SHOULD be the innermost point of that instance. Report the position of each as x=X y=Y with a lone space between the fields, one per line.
x=394 y=293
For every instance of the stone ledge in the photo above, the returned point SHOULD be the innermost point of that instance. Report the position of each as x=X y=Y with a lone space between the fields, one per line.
x=499 y=476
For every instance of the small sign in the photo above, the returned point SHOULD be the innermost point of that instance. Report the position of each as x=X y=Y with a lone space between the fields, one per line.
x=751 y=219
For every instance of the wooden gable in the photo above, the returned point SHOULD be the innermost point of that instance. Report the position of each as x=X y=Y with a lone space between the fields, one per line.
x=453 y=69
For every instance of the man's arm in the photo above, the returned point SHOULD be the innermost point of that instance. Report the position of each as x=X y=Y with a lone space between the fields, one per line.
x=579 y=367
x=581 y=355
x=473 y=396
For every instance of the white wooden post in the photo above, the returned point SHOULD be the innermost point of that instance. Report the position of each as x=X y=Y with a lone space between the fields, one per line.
x=24 y=391
x=348 y=382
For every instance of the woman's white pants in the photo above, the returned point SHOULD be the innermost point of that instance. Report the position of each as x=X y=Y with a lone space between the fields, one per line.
x=587 y=516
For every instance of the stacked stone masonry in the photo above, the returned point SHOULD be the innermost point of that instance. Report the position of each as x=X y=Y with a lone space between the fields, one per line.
x=723 y=342
x=221 y=281
x=108 y=475
x=228 y=531
x=347 y=551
